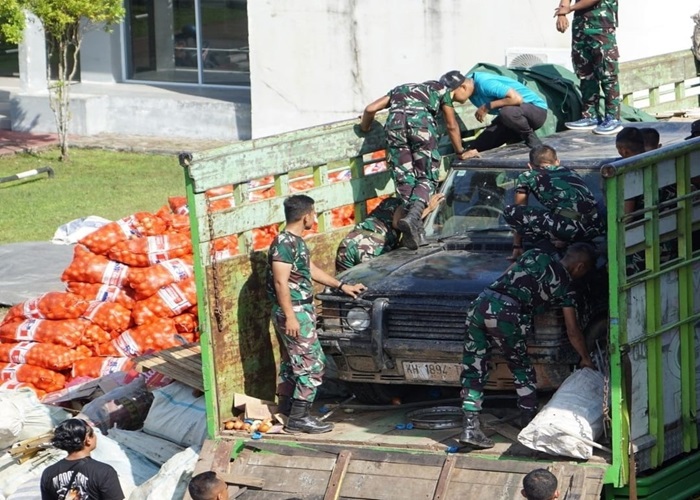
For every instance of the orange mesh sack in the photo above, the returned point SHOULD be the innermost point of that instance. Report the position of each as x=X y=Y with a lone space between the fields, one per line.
x=65 y=332
x=185 y=323
x=146 y=281
x=41 y=378
x=51 y=356
x=89 y=267
x=155 y=336
x=142 y=252
x=99 y=367
x=178 y=205
x=94 y=335
x=138 y=224
x=102 y=293
x=170 y=301
x=110 y=316
x=51 y=305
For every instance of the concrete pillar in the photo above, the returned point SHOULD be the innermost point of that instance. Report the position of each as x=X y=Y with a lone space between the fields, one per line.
x=163 y=31
x=32 y=56
x=100 y=55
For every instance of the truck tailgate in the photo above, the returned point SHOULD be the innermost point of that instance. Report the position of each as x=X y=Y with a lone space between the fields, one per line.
x=366 y=457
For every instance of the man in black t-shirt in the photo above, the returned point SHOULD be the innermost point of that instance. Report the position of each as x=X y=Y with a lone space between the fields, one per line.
x=78 y=476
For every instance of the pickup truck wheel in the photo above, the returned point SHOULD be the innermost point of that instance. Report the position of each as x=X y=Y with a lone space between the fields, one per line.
x=376 y=394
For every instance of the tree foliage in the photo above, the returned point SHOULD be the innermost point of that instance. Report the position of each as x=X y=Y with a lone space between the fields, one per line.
x=64 y=22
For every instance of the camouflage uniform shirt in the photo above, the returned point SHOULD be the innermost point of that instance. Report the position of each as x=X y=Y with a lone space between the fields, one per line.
x=557 y=187
x=601 y=17
x=536 y=280
x=291 y=249
x=429 y=96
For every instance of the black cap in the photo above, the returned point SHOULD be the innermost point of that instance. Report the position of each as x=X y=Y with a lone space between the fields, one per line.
x=452 y=79
x=694 y=130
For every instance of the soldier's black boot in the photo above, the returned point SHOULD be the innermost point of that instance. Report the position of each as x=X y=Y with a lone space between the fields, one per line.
x=412 y=225
x=301 y=421
x=531 y=140
x=471 y=431
x=284 y=405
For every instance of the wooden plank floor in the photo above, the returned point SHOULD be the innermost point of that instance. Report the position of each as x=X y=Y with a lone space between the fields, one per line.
x=378 y=429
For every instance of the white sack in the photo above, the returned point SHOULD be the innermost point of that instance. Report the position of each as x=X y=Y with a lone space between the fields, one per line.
x=22 y=416
x=178 y=416
x=75 y=230
x=171 y=481
x=576 y=409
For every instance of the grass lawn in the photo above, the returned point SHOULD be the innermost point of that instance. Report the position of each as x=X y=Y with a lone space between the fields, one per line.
x=94 y=182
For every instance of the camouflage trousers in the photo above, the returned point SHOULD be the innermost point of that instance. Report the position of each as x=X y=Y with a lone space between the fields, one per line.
x=358 y=247
x=413 y=154
x=494 y=321
x=303 y=361
x=594 y=56
x=535 y=223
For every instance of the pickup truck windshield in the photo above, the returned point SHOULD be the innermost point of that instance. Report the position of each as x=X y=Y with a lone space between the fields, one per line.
x=474 y=200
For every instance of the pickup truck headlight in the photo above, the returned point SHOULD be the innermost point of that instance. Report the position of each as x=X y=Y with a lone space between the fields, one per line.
x=358 y=319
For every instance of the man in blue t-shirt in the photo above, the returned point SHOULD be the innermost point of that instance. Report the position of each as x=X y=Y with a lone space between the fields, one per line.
x=519 y=111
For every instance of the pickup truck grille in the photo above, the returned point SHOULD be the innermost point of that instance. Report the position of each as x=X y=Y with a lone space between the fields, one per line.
x=443 y=320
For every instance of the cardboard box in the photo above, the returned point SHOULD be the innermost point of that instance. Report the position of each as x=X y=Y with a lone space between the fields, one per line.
x=254 y=408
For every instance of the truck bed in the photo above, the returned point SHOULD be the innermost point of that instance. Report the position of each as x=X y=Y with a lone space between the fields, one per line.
x=367 y=457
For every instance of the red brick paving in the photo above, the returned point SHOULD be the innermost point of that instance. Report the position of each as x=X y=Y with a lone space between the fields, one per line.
x=12 y=142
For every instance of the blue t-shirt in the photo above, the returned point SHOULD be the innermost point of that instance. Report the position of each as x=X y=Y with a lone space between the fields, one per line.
x=489 y=87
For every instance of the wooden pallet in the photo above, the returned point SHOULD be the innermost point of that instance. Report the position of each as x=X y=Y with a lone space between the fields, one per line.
x=182 y=363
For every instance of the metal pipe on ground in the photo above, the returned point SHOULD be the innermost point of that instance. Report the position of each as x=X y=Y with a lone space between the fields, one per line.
x=28 y=173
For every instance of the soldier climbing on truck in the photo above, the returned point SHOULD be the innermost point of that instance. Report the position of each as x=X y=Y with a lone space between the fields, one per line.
x=569 y=210
x=377 y=234
x=412 y=137
x=501 y=316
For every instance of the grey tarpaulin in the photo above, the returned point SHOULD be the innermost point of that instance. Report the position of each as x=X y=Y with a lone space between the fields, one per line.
x=29 y=269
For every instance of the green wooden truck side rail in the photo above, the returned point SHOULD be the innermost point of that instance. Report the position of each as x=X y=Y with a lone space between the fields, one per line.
x=653 y=310
x=239 y=350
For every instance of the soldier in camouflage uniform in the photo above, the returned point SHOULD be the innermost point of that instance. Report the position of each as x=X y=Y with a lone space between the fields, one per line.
x=570 y=212
x=594 y=55
x=501 y=317
x=412 y=136
x=377 y=234
x=290 y=289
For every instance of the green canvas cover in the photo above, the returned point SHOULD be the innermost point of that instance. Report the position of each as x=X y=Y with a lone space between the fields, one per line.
x=559 y=87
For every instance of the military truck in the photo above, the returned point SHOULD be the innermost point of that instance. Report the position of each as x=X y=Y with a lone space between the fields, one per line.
x=650 y=329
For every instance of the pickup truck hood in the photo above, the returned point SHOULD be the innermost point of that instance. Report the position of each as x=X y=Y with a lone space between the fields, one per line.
x=431 y=270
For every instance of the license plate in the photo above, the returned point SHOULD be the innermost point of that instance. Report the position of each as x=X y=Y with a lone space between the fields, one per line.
x=439 y=372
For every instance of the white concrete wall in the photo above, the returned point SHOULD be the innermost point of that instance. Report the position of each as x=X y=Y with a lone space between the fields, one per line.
x=319 y=61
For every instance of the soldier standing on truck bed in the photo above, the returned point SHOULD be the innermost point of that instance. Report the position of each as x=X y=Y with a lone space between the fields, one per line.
x=412 y=136
x=290 y=289
x=501 y=317
x=377 y=234
x=569 y=210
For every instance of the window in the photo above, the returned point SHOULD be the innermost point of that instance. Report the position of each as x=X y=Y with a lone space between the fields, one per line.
x=188 y=41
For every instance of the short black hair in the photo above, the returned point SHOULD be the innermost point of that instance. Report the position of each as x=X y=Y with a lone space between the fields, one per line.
x=452 y=79
x=581 y=252
x=202 y=485
x=297 y=206
x=651 y=138
x=540 y=484
x=70 y=435
x=632 y=139
x=542 y=155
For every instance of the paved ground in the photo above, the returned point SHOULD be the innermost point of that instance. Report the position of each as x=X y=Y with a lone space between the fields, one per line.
x=12 y=142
